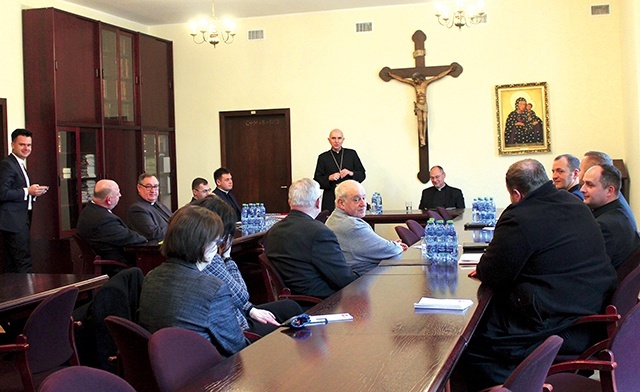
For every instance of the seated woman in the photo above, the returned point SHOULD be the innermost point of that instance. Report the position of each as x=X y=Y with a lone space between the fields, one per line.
x=178 y=294
x=260 y=319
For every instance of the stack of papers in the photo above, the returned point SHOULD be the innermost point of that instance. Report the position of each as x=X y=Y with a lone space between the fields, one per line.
x=470 y=258
x=443 y=304
x=332 y=318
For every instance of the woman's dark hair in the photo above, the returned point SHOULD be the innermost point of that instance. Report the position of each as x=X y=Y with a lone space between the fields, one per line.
x=191 y=229
x=224 y=211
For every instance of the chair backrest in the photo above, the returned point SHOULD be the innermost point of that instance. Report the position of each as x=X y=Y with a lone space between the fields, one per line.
x=530 y=375
x=83 y=378
x=132 y=342
x=272 y=279
x=434 y=215
x=444 y=213
x=625 y=346
x=179 y=355
x=415 y=227
x=628 y=265
x=49 y=332
x=407 y=236
x=626 y=295
x=323 y=215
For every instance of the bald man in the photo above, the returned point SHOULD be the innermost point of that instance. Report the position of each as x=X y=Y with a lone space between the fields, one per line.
x=363 y=249
x=105 y=232
x=335 y=166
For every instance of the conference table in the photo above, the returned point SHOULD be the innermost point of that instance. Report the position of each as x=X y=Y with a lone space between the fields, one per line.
x=401 y=216
x=389 y=346
x=21 y=293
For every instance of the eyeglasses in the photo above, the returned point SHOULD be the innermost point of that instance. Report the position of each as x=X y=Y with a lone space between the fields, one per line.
x=150 y=187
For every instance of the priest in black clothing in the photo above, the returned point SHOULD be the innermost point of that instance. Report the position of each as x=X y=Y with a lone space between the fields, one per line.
x=335 y=166
x=440 y=194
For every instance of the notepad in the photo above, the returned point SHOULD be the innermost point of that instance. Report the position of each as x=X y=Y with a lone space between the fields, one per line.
x=470 y=258
x=332 y=318
x=443 y=304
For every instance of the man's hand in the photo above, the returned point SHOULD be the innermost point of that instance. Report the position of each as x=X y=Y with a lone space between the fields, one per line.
x=345 y=172
x=37 y=190
x=263 y=316
x=334 y=176
x=402 y=245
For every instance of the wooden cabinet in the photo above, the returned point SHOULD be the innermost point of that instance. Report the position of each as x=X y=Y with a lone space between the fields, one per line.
x=159 y=159
x=93 y=92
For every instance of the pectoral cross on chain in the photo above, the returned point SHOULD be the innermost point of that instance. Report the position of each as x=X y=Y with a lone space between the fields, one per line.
x=420 y=77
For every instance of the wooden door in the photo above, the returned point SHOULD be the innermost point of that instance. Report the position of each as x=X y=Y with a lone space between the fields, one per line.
x=156 y=82
x=256 y=148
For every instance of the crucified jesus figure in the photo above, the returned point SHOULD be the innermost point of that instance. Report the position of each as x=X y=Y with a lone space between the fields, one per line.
x=420 y=84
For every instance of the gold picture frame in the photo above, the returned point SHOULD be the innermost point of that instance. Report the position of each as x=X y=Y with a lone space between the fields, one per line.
x=522 y=112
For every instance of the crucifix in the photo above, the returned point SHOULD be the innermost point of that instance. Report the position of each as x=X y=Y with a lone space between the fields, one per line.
x=419 y=78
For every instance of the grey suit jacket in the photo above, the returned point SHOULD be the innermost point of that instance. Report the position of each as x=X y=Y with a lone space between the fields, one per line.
x=177 y=294
x=144 y=218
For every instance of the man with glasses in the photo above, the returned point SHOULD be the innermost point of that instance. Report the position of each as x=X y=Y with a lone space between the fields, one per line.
x=363 y=249
x=147 y=215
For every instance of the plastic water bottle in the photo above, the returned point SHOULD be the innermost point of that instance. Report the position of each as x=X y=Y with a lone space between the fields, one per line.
x=430 y=237
x=379 y=204
x=492 y=212
x=262 y=213
x=474 y=211
x=252 y=218
x=244 y=218
x=374 y=203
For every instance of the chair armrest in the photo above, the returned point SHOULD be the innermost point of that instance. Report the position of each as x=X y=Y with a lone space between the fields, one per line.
x=611 y=317
x=300 y=298
x=14 y=347
x=98 y=263
x=605 y=363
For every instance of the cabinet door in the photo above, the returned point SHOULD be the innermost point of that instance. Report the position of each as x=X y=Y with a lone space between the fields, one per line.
x=156 y=82
x=123 y=164
x=76 y=69
x=77 y=173
x=118 y=76
x=158 y=159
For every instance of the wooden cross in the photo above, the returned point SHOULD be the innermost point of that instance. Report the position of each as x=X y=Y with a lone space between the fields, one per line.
x=420 y=77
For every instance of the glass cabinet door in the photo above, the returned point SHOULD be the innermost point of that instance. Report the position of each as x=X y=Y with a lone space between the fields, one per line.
x=110 y=75
x=157 y=160
x=77 y=173
x=68 y=175
x=127 y=96
x=118 y=79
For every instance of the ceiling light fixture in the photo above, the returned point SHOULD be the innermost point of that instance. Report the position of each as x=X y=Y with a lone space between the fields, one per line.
x=206 y=30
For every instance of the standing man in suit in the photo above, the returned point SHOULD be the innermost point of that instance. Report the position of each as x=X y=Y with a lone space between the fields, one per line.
x=147 y=215
x=17 y=195
x=103 y=230
x=335 y=166
x=440 y=194
x=305 y=251
x=224 y=184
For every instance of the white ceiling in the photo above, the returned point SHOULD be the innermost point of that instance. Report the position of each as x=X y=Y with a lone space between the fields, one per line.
x=158 y=12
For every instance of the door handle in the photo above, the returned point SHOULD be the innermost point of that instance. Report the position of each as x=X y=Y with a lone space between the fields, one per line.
x=284 y=186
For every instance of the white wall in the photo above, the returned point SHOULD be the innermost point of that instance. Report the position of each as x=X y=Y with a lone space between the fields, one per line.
x=327 y=75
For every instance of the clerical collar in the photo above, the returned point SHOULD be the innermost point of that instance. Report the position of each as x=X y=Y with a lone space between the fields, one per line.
x=336 y=152
x=222 y=190
x=439 y=189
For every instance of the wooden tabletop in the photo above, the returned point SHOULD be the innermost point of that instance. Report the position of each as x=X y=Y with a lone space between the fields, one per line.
x=19 y=290
x=388 y=345
x=401 y=216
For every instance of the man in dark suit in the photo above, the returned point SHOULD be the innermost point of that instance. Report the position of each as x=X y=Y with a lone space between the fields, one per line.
x=17 y=195
x=224 y=184
x=305 y=251
x=200 y=189
x=147 y=215
x=547 y=267
x=105 y=232
x=566 y=174
x=440 y=194
x=601 y=187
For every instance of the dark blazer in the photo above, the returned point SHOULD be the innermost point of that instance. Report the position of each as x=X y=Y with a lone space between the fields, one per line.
x=620 y=238
x=145 y=218
x=326 y=165
x=308 y=256
x=106 y=233
x=576 y=191
x=177 y=294
x=547 y=266
x=13 y=206
x=447 y=197
x=230 y=198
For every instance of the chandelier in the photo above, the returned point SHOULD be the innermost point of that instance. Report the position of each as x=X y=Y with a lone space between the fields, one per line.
x=207 y=30
x=460 y=18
